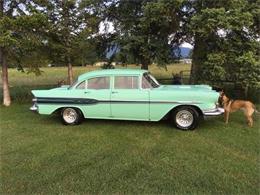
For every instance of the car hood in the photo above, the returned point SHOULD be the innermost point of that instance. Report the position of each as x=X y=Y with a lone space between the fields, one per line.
x=186 y=93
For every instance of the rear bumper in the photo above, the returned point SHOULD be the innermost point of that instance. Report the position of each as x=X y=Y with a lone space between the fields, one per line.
x=34 y=107
x=214 y=112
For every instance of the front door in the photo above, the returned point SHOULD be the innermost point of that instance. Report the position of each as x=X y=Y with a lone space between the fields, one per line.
x=98 y=93
x=128 y=101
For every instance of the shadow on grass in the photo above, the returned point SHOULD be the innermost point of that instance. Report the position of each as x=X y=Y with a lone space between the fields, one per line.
x=56 y=119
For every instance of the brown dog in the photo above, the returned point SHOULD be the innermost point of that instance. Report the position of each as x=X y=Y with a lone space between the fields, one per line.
x=234 y=105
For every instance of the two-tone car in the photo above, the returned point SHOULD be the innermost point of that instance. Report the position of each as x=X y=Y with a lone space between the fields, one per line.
x=127 y=94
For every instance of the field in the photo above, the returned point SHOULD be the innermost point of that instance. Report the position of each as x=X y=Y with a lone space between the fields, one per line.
x=41 y=156
x=50 y=76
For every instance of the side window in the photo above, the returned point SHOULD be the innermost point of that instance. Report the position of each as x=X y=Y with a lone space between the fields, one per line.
x=99 y=83
x=82 y=85
x=126 y=82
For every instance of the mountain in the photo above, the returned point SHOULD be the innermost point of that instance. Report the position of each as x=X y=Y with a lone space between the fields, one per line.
x=184 y=51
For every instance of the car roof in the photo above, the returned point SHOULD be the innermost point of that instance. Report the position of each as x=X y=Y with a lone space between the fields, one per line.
x=111 y=72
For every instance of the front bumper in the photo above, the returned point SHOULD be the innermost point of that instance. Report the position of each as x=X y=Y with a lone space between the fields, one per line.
x=213 y=112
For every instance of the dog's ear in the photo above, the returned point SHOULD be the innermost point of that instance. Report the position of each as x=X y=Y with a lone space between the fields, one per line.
x=221 y=93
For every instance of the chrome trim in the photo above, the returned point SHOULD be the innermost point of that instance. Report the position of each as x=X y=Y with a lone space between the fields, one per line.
x=184 y=118
x=59 y=100
x=69 y=115
x=213 y=112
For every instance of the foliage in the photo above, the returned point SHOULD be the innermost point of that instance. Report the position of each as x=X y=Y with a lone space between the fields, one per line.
x=225 y=35
x=226 y=41
x=214 y=63
x=71 y=28
x=249 y=70
x=143 y=29
x=22 y=37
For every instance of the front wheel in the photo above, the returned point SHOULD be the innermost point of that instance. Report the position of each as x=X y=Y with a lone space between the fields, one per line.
x=71 y=116
x=185 y=118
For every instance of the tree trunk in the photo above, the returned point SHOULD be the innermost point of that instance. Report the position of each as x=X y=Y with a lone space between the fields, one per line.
x=198 y=56
x=6 y=92
x=70 y=73
x=144 y=64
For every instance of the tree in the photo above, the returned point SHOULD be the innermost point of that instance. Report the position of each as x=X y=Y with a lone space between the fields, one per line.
x=226 y=41
x=72 y=23
x=5 y=39
x=146 y=30
x=20 y=33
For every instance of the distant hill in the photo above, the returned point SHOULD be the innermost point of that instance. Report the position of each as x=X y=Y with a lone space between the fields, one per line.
x=185 y=51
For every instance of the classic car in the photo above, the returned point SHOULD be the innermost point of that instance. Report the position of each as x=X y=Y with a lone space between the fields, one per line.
x=127 y=94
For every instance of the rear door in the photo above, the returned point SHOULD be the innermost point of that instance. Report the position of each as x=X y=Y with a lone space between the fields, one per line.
x=128 y=100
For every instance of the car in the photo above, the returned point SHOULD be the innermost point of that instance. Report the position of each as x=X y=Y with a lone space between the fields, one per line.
x=127 y=94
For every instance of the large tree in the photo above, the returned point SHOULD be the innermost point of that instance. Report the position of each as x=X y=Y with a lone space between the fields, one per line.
x=146 y=30
x=226 y=41
x=20 y=37
x=72 y=23
x=4 y=40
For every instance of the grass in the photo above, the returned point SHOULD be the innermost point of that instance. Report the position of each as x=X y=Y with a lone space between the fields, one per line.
x=41 y=156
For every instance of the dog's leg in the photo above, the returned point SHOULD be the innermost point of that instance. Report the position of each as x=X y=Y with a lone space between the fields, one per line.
x=250 y=121
x=226 y=117
x=249 y=113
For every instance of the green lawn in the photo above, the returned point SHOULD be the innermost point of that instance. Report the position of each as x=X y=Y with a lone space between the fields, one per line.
x=41 y=156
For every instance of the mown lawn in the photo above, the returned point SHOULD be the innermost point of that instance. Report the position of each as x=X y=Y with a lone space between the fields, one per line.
x=41 y=156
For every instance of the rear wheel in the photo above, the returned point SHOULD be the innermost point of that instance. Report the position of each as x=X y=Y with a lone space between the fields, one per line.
x=185 y=118
x=71 y=116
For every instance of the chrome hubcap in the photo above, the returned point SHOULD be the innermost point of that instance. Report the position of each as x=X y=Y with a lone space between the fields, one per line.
x=184 y=118
x=69 y=115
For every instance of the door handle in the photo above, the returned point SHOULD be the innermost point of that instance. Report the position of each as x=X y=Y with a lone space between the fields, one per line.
x=114 y=92
x=87 y=92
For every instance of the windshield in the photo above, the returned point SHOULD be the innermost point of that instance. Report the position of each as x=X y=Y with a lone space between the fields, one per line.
x=73 y=84
x=149 y=81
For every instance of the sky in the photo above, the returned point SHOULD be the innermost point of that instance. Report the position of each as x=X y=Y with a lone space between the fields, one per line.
x=185 y=44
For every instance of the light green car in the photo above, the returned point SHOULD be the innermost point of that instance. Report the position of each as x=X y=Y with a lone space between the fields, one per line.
x=127 y=94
